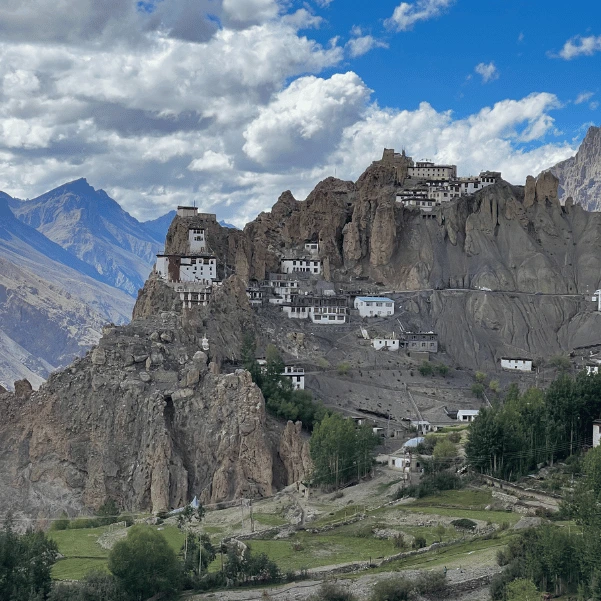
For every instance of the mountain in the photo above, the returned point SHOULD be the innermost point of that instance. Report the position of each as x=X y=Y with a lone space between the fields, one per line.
x=224 y=223
x=91 y=226
x=158 y=227
x=52 y=305
x=580 y=175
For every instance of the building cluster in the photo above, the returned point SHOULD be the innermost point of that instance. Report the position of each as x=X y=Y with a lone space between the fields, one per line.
x=425 y=184
x=194 y=273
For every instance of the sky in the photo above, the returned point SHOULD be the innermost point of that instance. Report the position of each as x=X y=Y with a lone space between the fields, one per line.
x=227 y=103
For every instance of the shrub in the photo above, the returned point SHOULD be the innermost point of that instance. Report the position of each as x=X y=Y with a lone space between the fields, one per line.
x=430 y=582
x=442 y=369
x=464 y=524
x=444 y=449
x=333 y=592
x=454 y=437
x=480 y=377
x=419 y=542
x=394 y=589
x=426 y=369
x=399 y=542
x=495 y=386
x=343 y=368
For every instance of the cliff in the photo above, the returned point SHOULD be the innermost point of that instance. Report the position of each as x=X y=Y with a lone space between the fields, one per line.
x=580 y=176
x=147 y=419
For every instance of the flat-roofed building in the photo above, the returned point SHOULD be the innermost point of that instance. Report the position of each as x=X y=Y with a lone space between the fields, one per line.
x=374 y=306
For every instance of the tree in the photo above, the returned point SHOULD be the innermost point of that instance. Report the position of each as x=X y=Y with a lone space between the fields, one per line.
x=444 y=449
x=480 y=377
x=478 y=390
x=144 y=563
x=340 y=451
x=25 y=564
x=249 y=360
x=522 y=590
x=96 y=586
x=494 y=386
x=442 y=369
x=426 y=369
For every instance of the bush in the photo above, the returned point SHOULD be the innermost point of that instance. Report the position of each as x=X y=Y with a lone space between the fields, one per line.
x=96 y=586
x=394 y=589
x=454 y=437
x=464 y=524
x=399 y=542
x=444 y=449
x=343 y=368
x=332 y=592
x=495 y=386
x=442 y=369
x=430 y=582
x=480 y=377
x=426 y=369
x=419 y=542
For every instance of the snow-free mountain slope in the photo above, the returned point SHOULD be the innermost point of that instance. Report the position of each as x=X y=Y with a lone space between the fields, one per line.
x=93 y=227
x=52 y=305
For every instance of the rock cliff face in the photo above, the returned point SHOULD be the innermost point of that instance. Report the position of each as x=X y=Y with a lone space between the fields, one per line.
x=147 y=419
x=505 y=237
x=580 y=176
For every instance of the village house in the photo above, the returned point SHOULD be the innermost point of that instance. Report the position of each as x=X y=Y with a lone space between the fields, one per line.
x=516 y=364
x=420 y=341
x=467 y=415
x=295 y=374
x=426 y=169
x=312 y=247
x=390 y=344
x=194 y=293
x=311 y=266
x=592 y=369
x=374 y=306
x=319 y=309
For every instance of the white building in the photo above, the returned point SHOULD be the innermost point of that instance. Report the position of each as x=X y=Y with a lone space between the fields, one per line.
x=374 y=306
x=193 y=293
x=516 y=364
x=592 y=370
x=319 y=309
x=596 y=432
x=426 y=169
x=312 y=266
x=391 y=344
x=197 y=240
x=255 y=296
x=175 y=268
x=296 y=375
x=312 y=247
x=467 y=415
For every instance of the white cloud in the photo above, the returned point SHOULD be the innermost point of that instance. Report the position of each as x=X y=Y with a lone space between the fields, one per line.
x=489 y=72
x=594 y=105
x=159 y=111
x=583 y=97
x=406 y=14
x=361 y=44
x=580 y=46
x=211 y=161
x=304 y=122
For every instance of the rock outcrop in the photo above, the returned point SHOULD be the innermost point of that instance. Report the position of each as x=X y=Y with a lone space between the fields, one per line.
x=147 y=419
x=580 y=176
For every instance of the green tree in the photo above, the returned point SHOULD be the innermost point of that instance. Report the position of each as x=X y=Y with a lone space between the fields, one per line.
x=25 y=564
x=144 y=564
x=426 y=369
x=480 y=377
x=249 y=360
x=494 y=386
x=478 y=390
x=442 y=369
x=444 y=450
x=522 y=590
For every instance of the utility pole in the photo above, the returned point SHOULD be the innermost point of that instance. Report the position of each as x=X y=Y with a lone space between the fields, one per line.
x=199 y=555
x=252 y=521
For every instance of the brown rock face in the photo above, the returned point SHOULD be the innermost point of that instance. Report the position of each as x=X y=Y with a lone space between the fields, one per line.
x=23 y=388
x=143 y=420
x=294 y=453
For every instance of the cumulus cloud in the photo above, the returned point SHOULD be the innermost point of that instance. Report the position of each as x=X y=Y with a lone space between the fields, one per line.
x=159 y=111
x=580 y=46
x=406 y=14
x=304 y=122
x=489 y=72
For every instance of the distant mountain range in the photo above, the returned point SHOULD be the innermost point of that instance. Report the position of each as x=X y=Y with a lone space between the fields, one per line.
x=71 y=261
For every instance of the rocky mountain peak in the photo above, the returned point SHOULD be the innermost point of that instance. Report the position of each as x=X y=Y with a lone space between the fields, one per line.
x=580 y=176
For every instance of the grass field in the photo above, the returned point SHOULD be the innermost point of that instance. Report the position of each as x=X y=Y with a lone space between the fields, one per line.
x=82 y=553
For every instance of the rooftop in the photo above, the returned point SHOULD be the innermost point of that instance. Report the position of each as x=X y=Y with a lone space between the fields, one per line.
x=380 y=299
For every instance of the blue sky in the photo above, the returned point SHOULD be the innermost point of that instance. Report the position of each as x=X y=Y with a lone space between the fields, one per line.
x=230 y=102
